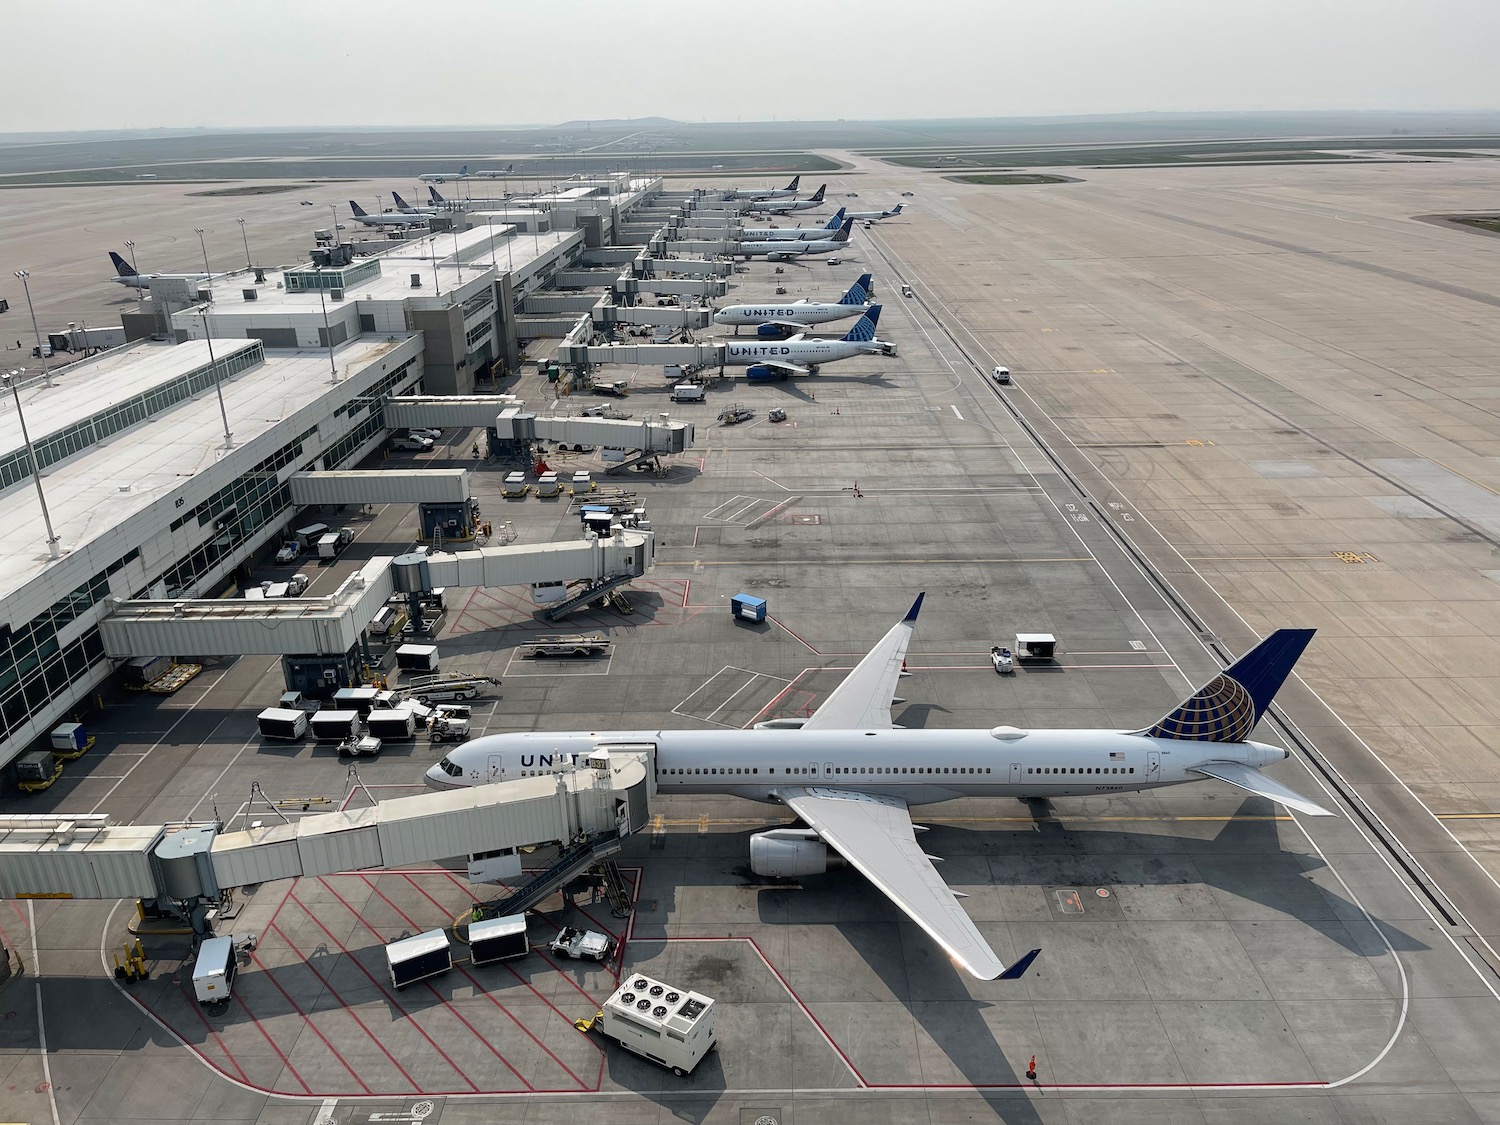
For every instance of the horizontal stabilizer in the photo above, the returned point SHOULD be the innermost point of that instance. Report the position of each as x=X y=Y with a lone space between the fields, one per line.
x=1252 y=780
x=1018 y=970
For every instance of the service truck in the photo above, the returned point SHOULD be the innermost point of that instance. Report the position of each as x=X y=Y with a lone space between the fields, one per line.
x=283 y=725
x=673 y=1027
x=331 y=544
x=397 y=724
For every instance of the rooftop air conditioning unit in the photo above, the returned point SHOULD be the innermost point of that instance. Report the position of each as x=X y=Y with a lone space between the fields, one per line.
x=250 y=294
x=335 y=294
x=416 y=281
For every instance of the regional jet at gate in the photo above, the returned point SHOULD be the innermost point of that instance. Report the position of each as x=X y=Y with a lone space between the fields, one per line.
x=876 y=216
x=850 y=774
x=776 y=319
x=793 y=234
x=385 y=218
x=787 y=192
x=786 y=206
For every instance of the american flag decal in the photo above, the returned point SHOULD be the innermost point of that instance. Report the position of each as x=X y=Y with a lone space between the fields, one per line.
x=1117 y=755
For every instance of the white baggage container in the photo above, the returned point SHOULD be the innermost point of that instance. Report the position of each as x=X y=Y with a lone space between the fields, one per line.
x=213 y=974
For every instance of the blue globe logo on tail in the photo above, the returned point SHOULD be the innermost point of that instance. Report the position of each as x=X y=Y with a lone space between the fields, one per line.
x=1227 y=708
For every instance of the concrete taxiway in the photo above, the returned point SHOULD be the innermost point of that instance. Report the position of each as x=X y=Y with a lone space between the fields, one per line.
x=1214 y=462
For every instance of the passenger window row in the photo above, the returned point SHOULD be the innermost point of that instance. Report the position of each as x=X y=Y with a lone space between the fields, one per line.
x=1080 y=769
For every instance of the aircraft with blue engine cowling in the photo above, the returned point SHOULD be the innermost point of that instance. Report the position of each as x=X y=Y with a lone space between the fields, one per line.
x=850 y=774
x=791 y=251
x=776 y=320
x=793 y=234
x=787 y=206
x=802 y=355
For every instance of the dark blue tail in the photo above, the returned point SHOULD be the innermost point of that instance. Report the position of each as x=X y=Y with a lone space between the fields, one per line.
x=836 y=221
x=817 y=196
x=355 y=209
x=401 y=204
x=842 y=234
x=896 y=210
x=464 y=171
x=859 y=292
x=864 y=328
x=793 y=185
x=122 y=267
x=1227 y=708
x=432 y=192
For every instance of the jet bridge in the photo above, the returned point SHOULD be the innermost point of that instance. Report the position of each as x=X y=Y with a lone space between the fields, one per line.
x=421 y=486
x=668 y=436
x=186 y=868
x=332 y=625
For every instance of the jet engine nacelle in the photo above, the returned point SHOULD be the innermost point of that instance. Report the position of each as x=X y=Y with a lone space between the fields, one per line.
x=790 y=852
x=761 y=373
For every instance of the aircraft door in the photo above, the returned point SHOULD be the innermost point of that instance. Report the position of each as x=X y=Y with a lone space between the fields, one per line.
x=827 y=770
x=1015 y=773
x=497 y=768
x=1153 y=765
x=812 y=769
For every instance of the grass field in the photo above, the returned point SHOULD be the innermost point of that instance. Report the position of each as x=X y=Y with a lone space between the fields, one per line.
x=1490 y=224
x=1016 y=178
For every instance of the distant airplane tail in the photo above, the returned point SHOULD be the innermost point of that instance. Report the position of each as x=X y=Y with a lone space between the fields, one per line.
x=896 y=210
x=817 y=196
x=122 y=267
x=859 y=292
x=837 y=220
x=843 y=232
x=356 y=210
x=464 y=171
x=1227 y=708
x=401 y=204
x=864 y=330
x=793 y=185
x=433 y=194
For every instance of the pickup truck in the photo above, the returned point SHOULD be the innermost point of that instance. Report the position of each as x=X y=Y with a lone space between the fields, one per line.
x=411 y=443
x=588 y=945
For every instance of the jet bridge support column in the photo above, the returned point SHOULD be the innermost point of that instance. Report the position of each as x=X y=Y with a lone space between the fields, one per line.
x=412 y=577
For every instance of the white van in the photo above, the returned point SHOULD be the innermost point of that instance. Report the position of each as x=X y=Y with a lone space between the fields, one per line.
x=1002 y=376
x=688 y=392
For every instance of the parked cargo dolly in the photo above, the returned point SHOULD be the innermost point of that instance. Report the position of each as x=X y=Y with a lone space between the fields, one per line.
x=70 y=741
x=37 y=771
x=514 y=485
x=735 y=414
x=498 y=939
x=576 y=644
x=418 y=957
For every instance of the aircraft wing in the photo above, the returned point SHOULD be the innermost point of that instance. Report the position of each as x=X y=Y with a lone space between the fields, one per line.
x=1252 y=780
x=876 y=836
x=788 y=368
x=863 y=700
x=797 y=324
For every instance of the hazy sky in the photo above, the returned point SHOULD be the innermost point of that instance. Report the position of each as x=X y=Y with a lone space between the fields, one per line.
x=101 y=64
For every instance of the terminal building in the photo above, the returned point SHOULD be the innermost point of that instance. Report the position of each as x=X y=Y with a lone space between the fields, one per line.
x=164 y=465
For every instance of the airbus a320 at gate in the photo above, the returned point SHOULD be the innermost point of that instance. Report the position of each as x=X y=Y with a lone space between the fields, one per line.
x=801 y=355
x=786 y=206
x=776 y=319
x=793 y=234
x=851 y=775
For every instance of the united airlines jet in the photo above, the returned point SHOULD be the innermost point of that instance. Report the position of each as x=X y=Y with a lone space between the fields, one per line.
x=876 y=216
x=801 y=355
x=385 y=218
x=765 y=193
x=785 y=206
x=776 y=319
x=850 y=775
x=793 y=234
x=791 y=251
x=125 y=274
x=444 y=177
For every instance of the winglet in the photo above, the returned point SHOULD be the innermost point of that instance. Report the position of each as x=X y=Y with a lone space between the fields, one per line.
x=916 y=607
x=1018 y=970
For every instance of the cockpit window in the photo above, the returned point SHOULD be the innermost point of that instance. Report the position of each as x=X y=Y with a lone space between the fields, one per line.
x=447 y=766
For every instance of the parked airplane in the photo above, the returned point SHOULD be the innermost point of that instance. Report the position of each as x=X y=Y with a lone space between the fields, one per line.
x=793 y=234
x=444 y=177
x=125 y=274
x=494 y=173
x=407 y=209
x=385 y=218
x=876 y=216
x=774 y=320
x=788 y=251
x=802 y=355
x=787 y=192
x=850 y=775
x=787 y=206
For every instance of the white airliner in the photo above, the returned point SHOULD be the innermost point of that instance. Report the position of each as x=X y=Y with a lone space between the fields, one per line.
x=493 y=173
x=790 y=251
x=802 y=355
x=385 y=218
x=793 y=234
x=125 y=274
x=850 y=774
x=786 y=206
x=765 y=193
x=444 y=177
x=773 y=320
x=875 y=216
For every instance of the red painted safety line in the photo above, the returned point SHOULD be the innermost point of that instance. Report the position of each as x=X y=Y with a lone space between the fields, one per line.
x=788 y=632
x=198 y=1010
x=558 y=969
x=346 y=1007
x=240 y=1000
x=597 y=924
x=270 y=976
x=439 y=996
x=782 y=694
x=773 y=511
x=687 y=585
x=582 y=1085
x=376 y=981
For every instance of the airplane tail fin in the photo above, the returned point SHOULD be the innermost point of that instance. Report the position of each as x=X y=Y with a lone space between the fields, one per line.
x=859 y=292
x=837 y=220
x=842 y=235
x=793 y=185
x=817 y=196
x=1227 y=708
x=896 y=210
x=401 y=204
x=464 y=171
x=356 y=210
x=433 y=194
x=122 y=267
x=864 y=328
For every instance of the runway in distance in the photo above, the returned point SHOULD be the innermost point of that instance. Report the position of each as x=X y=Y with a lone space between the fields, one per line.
x=787 y=251
x=385 y=218
x=773 y=319
x=850 y=775
x=765 y=193
x=785 y=206
x=125 y=274
x=793 y=234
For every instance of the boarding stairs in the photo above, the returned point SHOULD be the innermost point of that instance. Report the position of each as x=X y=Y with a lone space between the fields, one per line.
x=601 y=589
x=571 y=862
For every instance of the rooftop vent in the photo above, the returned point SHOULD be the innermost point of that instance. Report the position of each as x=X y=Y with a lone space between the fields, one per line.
x=251 y=294
x=416 y=281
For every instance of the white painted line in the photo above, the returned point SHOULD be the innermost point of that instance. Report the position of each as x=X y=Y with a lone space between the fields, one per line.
x=41 y=1023
x=956 y=414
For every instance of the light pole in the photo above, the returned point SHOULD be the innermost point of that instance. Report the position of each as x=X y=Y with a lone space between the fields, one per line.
x=214 y=367
x=457 y=261
x=129 y=245
x=334 y=207
x=199 y=232
x=12 y=379
x=245 y=238
x=40 y=351
x=327 y=331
